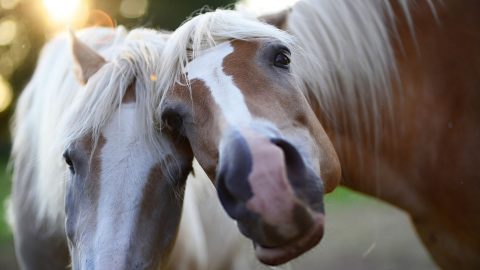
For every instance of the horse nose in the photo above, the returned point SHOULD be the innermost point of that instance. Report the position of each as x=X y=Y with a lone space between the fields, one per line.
x=232 y=186
x=293 y=161
x=302 y=178
x=257 y=185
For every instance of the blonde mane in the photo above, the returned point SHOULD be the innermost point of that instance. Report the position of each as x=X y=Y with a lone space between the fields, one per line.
x=207 y=30
x=54 y=109
x=348 y=64
x=137 y=62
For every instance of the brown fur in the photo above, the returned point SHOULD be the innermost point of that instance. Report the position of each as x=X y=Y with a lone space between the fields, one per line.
x=130 y=95
x=429 y=165
x=94 y=165
x=278 y=19
x=169 y=211
x=441 y=80
x=272 y=98
x=254 y=78
x=87 y=180
x=202 y=122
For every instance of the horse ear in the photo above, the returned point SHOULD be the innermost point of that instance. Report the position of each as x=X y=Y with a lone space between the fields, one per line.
x=87 y=61
x=278 y=19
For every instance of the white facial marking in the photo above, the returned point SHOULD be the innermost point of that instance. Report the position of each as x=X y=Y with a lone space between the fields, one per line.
x=208 y=67
x=126 y=163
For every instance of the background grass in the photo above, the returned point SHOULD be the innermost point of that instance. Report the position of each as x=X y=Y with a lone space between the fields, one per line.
x=5 y=185
x=7 y=254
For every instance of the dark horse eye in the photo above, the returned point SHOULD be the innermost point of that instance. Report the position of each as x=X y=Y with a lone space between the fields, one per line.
x=172 y=120
x=68 y=160
x=282 y=59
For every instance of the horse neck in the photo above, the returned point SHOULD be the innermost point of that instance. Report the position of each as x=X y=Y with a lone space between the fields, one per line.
x=347 y=64
x=381 y=63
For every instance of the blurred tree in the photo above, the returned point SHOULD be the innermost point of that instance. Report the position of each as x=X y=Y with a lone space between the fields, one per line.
x=168 y=14
x=25 y=26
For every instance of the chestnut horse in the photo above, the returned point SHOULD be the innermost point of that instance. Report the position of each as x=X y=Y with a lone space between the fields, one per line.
x=394 y=84
x=233 y=96
x=115 y=197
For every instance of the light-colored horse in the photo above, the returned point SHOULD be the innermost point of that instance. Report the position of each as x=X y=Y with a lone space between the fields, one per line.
x=117 y=192
x=123 y=180
x=394 y=83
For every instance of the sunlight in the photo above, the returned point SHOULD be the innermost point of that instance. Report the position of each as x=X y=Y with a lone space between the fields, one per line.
x=133 y=8
x=6 y=94
x=64 y=11
x=9 y=4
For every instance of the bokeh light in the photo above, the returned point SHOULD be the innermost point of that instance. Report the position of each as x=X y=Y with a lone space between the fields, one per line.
x=8 y=31
x=99 y=17
x=66 y=12
x=61 y=10
x=133 y=8
x=6 y=94
x=9 y=4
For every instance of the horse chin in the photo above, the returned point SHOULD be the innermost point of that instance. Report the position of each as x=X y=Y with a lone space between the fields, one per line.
x=281 y=254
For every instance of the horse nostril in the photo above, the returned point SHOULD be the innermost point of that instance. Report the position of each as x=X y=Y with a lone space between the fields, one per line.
x=232 y=179
x=307 y=185
x=226 y=197
x=293 y=159
x=292 y=156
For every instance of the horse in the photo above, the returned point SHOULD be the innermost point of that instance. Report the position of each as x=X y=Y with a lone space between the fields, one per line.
x=379 y=96
x=94 y=178
x=269 y=146
x=409 y=72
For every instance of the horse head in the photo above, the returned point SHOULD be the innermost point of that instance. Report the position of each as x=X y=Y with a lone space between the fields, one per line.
x=251 y=129
x=124 y=192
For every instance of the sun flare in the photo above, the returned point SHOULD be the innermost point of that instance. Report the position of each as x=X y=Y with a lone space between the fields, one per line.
x=63 y=11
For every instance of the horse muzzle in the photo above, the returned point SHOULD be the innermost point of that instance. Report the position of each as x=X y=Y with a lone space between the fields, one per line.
x=264 y=184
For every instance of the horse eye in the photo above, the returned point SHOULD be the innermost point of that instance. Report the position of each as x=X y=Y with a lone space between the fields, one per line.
x=68 y=161
x=172 y=120
x=282 y=60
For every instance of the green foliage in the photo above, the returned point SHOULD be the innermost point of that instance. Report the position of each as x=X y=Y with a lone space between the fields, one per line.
x=5 y=184
x=169 y=14
x=342 y=196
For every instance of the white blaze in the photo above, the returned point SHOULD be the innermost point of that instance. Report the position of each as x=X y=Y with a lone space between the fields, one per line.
x=208 y=67
x=126 y=164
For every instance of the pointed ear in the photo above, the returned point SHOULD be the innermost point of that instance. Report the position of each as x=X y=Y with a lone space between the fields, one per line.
x=278 y=19
x=87 y=62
